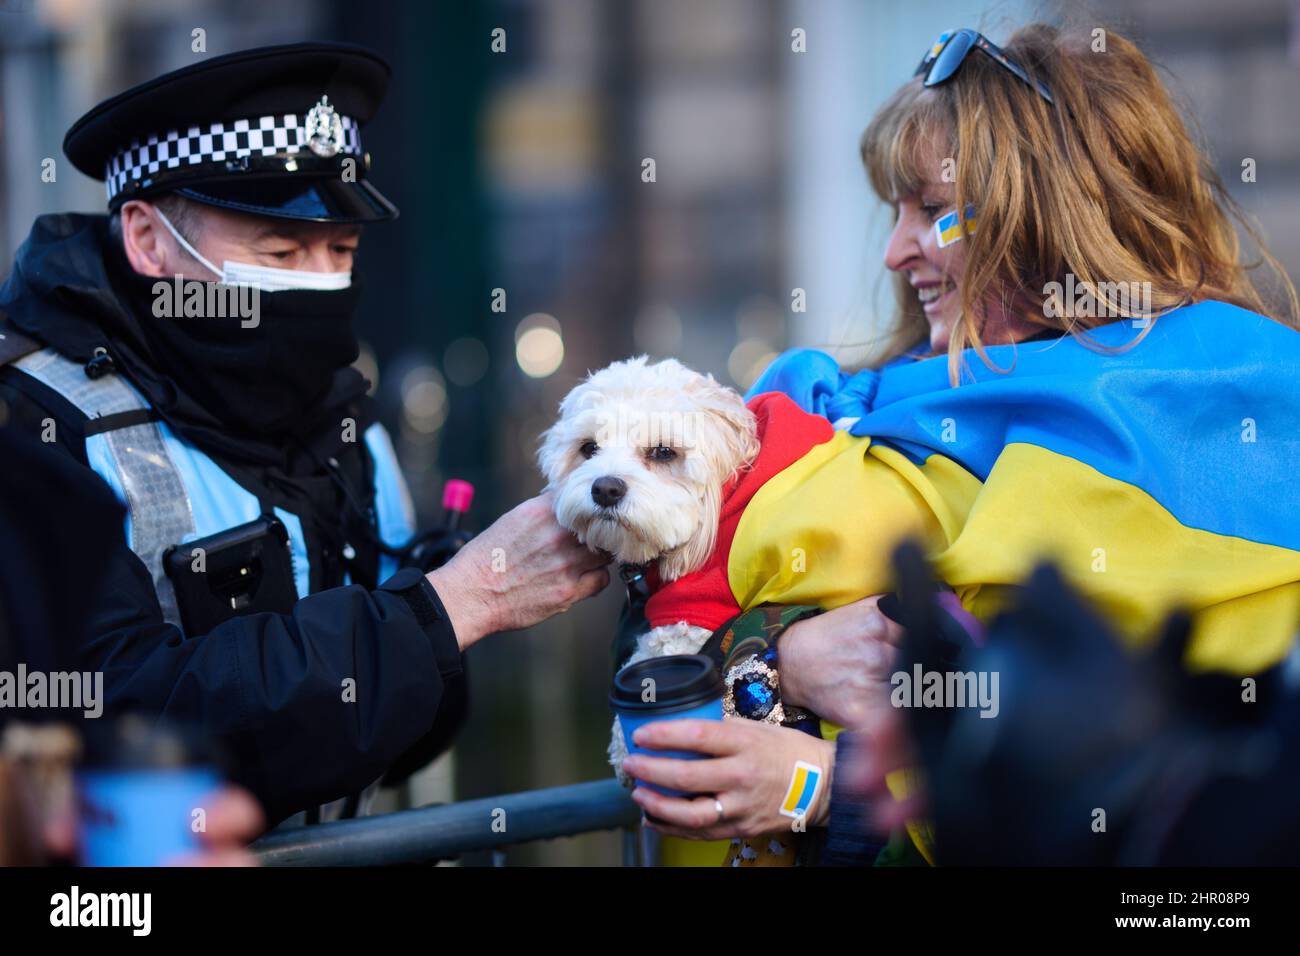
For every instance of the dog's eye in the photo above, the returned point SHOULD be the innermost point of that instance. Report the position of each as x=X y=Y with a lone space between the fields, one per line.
x=661 y=453
x=589 y=449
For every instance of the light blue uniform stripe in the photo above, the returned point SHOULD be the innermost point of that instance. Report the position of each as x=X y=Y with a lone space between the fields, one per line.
x=100 y=458
x=220 y=503
x=297 y=551
x=393 y=507
x=217 y=501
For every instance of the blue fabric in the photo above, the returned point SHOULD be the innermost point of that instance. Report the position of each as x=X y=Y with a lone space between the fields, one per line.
x=218 y=502
x=1167 y=415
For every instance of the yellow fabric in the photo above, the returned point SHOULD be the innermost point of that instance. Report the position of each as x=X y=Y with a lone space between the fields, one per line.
x=822 y=532
x=677 y=852
x=803 y=539
x=902 y=784
x=1129 y=555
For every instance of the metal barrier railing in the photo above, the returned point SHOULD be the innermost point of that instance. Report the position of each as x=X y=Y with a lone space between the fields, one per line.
x=430 y=834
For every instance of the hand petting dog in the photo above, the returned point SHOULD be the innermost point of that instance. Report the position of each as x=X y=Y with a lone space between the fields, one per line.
x=636 y=465
x=656 y=464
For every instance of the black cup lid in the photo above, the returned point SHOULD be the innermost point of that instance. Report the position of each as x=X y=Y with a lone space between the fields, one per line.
x=137 y=742
x=679 y=680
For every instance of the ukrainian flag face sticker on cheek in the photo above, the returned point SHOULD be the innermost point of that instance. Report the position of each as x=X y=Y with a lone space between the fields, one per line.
x=947 y=229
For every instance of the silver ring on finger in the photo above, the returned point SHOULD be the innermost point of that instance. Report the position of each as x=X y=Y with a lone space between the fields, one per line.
x=717 y=805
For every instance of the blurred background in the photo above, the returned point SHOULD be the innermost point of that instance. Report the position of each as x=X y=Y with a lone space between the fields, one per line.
x=531 y=248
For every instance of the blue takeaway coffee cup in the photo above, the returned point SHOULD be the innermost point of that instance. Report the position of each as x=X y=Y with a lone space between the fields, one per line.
x=139 y=794
x=666 y=688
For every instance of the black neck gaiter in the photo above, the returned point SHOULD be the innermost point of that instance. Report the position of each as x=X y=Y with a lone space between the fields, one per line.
x=259 y=362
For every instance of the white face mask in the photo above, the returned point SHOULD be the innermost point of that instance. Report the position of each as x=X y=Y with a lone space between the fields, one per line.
x=266 y=278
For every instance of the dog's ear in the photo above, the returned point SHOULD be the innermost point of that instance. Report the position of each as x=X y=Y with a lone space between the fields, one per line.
x=549 y=454
x=729 y=437
x=726 y=439
x=554 y=449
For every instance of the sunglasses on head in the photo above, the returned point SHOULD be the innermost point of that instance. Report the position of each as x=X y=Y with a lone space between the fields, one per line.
x=949 y=52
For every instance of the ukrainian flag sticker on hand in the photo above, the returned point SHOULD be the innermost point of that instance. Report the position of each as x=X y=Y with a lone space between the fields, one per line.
x=803 y=790
x=948 y=228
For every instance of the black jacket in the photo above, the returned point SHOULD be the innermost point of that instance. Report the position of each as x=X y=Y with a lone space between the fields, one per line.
x=268 y=688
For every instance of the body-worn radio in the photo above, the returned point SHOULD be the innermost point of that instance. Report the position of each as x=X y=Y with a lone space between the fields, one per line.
x=247 y=569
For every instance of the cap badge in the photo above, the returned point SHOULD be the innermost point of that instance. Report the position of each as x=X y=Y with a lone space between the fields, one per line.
x=324 y=129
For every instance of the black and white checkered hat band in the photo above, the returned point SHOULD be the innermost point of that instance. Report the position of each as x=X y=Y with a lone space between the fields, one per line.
x=219 y=142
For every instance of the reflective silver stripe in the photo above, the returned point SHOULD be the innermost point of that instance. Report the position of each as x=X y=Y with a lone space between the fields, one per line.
x=95 y=397
x=160 y=507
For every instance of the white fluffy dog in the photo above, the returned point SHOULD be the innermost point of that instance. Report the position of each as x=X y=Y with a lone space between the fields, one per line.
x=637 y=463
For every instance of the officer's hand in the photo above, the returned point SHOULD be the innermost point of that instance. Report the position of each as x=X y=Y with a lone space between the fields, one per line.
x=520 y=571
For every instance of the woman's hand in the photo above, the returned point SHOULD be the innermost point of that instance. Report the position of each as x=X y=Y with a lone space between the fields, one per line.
x=233 y=819
x=749 y=770
x=838 y=664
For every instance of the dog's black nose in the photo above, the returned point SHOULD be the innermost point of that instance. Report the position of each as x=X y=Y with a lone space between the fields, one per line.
x=608 y=491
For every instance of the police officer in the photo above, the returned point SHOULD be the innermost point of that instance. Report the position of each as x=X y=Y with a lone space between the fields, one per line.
x=259 y=590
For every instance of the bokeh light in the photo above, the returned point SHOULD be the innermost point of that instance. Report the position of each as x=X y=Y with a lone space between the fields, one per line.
x=747 y=361
x=424 y=399
x=539 y=346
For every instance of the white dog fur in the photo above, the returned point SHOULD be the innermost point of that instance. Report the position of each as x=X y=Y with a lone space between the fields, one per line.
x=673 y=438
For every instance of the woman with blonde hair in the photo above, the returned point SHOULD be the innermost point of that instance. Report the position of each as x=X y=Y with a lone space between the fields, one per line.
x=1082 y=368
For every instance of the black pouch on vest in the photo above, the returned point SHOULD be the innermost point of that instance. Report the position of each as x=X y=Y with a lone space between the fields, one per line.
x=243 y=570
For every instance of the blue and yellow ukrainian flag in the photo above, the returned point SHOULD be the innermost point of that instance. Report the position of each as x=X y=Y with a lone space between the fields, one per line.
x=938 y=44
x=803 y=789
x=948 y=228
x=1163 y=474
x=1167 y=473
